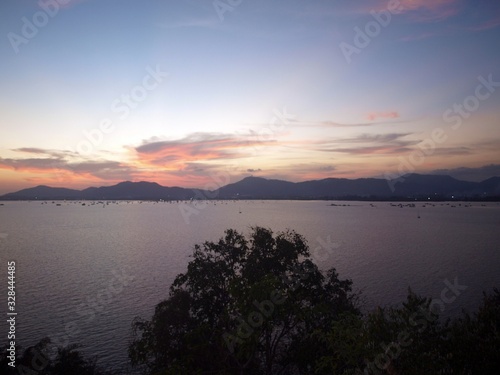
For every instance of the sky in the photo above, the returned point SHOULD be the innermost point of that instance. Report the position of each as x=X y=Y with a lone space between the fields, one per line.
x=197 y=93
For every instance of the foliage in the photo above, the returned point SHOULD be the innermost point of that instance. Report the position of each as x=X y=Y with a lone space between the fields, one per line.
x=474 y=344
x=37 y=360
x=261 y=306
x=243 y=307
x=413 y=340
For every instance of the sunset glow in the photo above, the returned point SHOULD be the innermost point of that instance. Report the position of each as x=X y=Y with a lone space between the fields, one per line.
x=94 y=93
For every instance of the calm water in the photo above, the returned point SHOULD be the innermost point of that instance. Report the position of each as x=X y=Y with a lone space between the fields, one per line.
x=68 y=257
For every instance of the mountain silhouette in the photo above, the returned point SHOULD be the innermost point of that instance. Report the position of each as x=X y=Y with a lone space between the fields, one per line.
x=411 y=186
x=124 y=190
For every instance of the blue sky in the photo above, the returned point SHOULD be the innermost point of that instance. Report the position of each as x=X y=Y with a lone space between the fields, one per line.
x=94 y=92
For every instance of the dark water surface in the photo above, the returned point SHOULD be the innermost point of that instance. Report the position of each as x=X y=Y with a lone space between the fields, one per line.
x=84 y=272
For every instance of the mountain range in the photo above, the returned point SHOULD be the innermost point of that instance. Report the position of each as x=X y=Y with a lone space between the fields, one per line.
x=411 y=186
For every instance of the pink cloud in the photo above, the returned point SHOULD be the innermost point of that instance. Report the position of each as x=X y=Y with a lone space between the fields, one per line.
x=431 y=10
x=373 y=116
x=422 y=10
x=433 y=5
x=70 y=3
x=491 y=24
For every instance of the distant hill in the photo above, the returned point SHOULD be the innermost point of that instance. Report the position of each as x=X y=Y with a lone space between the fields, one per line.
x=43 y=192
x=122 y=191
x=491 y=186
x=137 y=190
x=417 y=185
x=411 y=186
x=257 y=187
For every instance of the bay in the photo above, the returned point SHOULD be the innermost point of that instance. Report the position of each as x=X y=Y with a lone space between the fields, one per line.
x=83 y=272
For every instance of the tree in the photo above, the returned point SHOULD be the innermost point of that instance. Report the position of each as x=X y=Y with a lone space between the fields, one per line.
x=399 y=340
x=244 y=306
x=474 y=342
x=36 y=360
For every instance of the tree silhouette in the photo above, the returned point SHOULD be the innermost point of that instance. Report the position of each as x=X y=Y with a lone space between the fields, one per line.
x=36 y=360
x=244 y=306
x=259 y=305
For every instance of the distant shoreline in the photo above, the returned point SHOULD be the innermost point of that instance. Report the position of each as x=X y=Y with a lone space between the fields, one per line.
x=411 y=187
x=326 y=199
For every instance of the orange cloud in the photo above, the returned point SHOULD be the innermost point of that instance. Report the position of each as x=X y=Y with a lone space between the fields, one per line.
x=189 y=161
x=197 y=147
x=64 y=168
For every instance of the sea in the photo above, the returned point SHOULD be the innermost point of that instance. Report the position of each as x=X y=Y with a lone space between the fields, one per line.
x=86 y=270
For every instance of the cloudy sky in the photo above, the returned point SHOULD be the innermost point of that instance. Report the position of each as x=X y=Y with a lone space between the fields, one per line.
x=94 y=92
